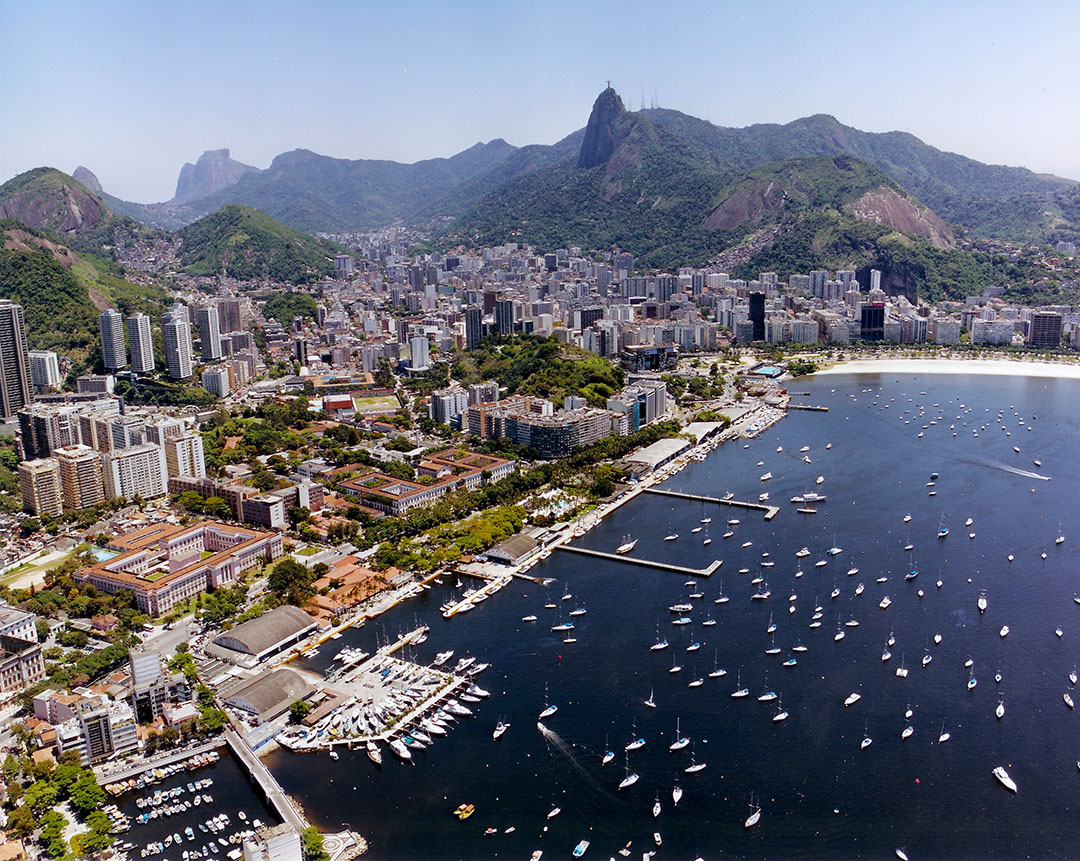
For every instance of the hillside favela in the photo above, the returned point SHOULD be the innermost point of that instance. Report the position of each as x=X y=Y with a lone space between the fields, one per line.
x=673 y=490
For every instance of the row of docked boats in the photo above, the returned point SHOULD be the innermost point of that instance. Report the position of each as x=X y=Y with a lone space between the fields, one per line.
x=157 y=773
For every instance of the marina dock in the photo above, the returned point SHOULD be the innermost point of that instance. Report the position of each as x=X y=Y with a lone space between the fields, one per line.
x=770 y=510
x=810 y=407
x=633 y=560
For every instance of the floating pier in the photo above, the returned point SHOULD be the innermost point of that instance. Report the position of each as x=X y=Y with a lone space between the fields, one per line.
x=770 y=511
x=633 y=560
x=810 y=407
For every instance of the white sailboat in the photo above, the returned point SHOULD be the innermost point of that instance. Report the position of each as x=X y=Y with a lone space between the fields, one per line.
x=630 y=779
x=680 y=740
x=755 y=814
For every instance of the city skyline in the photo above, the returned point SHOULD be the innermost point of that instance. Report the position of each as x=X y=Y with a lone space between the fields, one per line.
x=422 y=81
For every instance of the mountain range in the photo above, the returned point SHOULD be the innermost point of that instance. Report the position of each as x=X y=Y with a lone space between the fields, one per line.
x=313 y=192
x=671 y=188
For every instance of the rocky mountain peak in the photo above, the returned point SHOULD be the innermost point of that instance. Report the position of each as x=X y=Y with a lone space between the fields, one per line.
x=87 y=178
x=600 y=136
x=213 y=171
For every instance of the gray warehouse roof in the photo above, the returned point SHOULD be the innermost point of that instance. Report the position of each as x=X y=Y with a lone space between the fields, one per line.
x=268 y=631
x=270 y=694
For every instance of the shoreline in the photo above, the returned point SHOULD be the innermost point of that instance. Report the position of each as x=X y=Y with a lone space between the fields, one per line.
x=950 y=365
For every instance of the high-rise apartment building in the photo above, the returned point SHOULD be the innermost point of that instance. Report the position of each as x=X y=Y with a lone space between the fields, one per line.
x=141 y=343
x=176 y=332
x=135 y=471
x=80 y=476
x=230 y=317
x=39 y=486
x=504 y=316
x=474 y=327
x=1045 y=329
x=184 y=455
x=418 y=347
x=44 y=369
x=209 y=333
x=111 y=326
x=15 y=392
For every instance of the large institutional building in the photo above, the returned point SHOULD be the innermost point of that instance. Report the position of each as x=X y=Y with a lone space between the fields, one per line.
x=165 y=564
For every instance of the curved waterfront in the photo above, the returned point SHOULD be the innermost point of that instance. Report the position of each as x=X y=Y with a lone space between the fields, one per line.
x=820 y=794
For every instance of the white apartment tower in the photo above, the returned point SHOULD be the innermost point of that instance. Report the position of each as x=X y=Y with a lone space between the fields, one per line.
x=141 y=343
x=111 y=325
x=209 y=333
x=184 y=455
x=15 y=392
x=135 y=471
x=44 y=369
x=176 y=332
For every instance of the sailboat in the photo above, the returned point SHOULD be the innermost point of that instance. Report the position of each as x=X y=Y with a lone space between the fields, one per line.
x=659 y=644
x=650 y=702
x=627 y=544
x=867 y=741
x=656 y=805
x=944 y=737
x=694 y=765
x=549 y=709
x=721 y=598
x=717 y=672
x=609 y=754
x=636 y=741
x=943 y=530
x=1000 y=710
x=676 y=792
x=780 y=715
x=755 y=814
x=630 y=779
x=680 y=741
x=740 y=691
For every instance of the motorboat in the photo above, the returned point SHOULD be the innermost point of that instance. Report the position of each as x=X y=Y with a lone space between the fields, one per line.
x=1003 y=777
x=852 y=699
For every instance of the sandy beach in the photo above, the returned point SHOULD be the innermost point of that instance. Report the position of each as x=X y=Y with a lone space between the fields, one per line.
x=982 y=367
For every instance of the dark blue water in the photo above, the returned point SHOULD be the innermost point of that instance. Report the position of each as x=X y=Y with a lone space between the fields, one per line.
x=231 y=792
x=821 y=795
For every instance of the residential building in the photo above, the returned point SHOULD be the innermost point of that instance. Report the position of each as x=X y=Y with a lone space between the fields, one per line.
x=217 y=381
x=757 y=315
x=176 y=334
x=136 y=471
x=184 y=455
x=39 y=486
x=504 y=316
x=872 y=321
x=418 y=347
x=206 y=317
x=44 y=369
x=1045 y=330
x=474 y=327
x=43 y=429
x=265 y=510
x=102 y=728
x=95 y=384
x=165 y=564
x=111 y=326
x=152 y=686
x=15 y=382
x=447 y=405
x=230 y=316
x=141 y=343
x=80 y=477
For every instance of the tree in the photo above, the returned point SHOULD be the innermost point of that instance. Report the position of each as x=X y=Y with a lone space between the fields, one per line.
x=41 y=796
x=215 y=506
x=191 y=501
x=21 y=822
x=86 y=795
x=291 y=581
x=299 y=710
x=312 y=843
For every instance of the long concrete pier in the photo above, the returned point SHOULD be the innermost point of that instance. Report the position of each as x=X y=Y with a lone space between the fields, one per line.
x=811 y=407
x=260 y=775
x=770 y=510
x=633 y=560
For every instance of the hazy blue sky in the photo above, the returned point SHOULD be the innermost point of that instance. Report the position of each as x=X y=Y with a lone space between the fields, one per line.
x=133 y=90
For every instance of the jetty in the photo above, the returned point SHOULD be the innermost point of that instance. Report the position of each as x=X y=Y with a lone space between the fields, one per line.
x=633 y=560
x=810 y=407
x=770 y=511
x=260 y=775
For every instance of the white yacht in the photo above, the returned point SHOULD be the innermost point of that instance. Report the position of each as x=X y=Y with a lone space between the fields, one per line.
x=1003 y=776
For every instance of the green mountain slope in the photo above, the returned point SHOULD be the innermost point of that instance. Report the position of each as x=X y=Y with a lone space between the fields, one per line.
x=242 y=242
x=959 y=189
x=62 y=291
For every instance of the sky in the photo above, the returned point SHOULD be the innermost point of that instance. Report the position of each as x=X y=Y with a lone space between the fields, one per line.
x=133 y=90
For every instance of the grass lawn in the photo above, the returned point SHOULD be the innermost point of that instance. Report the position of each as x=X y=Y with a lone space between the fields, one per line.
x=308 y=551
x=380 y=404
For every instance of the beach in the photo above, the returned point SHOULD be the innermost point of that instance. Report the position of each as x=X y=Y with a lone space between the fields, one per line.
x=970 y=367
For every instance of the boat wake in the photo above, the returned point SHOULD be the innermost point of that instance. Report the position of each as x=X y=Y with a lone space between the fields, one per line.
x=556 y=741
x=1004 y=467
